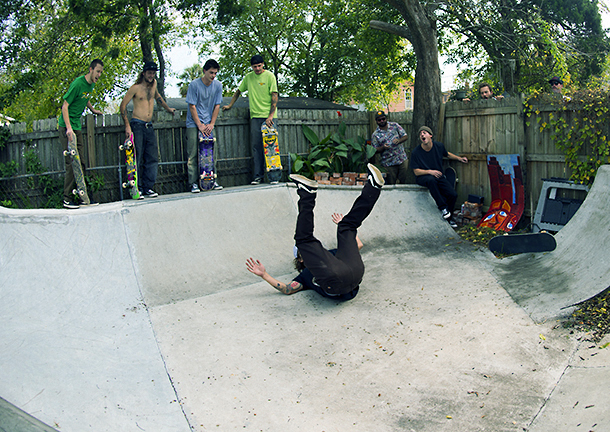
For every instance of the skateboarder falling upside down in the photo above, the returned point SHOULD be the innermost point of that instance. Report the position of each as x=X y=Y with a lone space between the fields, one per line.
x=336 y=273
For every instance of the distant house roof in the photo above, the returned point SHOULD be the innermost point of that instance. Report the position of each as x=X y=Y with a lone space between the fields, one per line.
x=283 y=103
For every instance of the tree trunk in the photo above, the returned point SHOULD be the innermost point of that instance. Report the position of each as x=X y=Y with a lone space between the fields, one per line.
x=159 y=51
x=422 y=33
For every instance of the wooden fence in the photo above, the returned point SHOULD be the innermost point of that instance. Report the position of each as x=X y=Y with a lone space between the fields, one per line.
x=103 y=134
x=486 y=127
x=474 y=129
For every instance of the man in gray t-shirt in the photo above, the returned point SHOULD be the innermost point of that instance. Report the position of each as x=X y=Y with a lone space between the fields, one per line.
x=203 y=97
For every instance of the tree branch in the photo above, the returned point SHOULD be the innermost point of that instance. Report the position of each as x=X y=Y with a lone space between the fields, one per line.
x=401 y=31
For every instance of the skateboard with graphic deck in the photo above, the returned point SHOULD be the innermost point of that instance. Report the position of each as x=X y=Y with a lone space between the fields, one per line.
x=131 y=167
x=207 y=174
x=522 y=243
x=77 y=169
x=271 y=147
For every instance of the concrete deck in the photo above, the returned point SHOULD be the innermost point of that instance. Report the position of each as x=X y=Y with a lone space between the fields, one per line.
x=141 y=316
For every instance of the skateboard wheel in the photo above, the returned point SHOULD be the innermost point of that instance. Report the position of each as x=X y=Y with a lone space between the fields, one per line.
x=121 y=147
x=124 y=185
x=65 y=152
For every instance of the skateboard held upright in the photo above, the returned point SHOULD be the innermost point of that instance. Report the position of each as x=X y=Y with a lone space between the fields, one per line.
x=451 y=176
x=77 y=169
x=207 y=173
x=271 y=147
x=131 y=167
x=523 y=243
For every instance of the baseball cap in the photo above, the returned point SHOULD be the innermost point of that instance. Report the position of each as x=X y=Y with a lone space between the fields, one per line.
x=379 y=114
x=555 y=80
x=150 y=66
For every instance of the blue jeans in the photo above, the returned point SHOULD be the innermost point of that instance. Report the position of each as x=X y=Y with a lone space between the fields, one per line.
x=147 y=153
x=256 y=141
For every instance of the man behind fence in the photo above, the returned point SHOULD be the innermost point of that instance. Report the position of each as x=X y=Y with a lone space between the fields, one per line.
x=144 y=93
x=76 y=100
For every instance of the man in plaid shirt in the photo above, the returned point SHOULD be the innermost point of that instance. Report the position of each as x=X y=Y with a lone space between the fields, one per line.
x=388 y=139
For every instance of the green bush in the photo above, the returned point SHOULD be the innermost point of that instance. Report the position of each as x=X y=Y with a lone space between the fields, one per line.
x=333 y=153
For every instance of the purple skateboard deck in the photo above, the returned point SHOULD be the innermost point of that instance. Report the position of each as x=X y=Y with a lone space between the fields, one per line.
x=207 y=173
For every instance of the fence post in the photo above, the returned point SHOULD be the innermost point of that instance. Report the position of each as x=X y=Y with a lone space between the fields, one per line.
x=91 y=140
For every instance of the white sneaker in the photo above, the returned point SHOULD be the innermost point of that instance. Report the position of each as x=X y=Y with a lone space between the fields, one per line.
x=195 y=188
x=445 y=213
x=375 y=176
x=217 y=186
x=304 y=183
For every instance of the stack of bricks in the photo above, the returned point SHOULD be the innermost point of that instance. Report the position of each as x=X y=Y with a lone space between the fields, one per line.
x=347 y=178
x=322 y=178
x=470 y=214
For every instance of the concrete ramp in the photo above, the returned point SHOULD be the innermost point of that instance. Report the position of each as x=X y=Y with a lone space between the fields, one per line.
x=196 y=245
x=77 y=348
x=547 y=285
x=141 y=316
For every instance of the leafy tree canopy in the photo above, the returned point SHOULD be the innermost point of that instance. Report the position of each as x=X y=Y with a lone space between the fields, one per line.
x=54 y=48
x=321 y=49
x=521 y=44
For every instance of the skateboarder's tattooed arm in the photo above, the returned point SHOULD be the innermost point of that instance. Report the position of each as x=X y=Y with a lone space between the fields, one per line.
x=274 y=99
x=256 y=267
x=291 y=288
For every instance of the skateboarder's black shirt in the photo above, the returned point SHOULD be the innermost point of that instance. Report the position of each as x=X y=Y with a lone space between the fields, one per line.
x=306 y=279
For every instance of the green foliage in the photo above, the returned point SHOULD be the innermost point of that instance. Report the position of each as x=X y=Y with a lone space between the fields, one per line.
x=333 y=153
x=95 y=183
x=579 y=128
x=518 y=46
x=324 y=50
x=5 y=134
x=55 y=47
x=51 y=187
x=8 y=169
x=189 y=74
x=8 y=204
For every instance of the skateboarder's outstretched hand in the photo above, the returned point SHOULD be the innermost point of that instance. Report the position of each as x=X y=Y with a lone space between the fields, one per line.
x=338 y=217
x=255 y=266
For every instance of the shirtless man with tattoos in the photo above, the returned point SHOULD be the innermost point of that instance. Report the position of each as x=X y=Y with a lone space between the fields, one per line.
x=144 y=93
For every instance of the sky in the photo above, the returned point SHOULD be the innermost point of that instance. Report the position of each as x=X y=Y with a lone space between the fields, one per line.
x=182 y=57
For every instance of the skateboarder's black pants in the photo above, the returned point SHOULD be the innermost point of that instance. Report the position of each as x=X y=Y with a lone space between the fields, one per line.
x=342 y=272
x=441 y=190
x=147 y=153
x=256 y=141
x=69 y=182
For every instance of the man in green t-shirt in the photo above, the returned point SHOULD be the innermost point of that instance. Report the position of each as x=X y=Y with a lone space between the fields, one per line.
x=261 y=86
x=76 y=100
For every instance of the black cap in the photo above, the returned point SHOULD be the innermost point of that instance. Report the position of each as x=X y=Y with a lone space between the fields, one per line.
x=379 y=114
x=555 y=80
x=150 y=66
